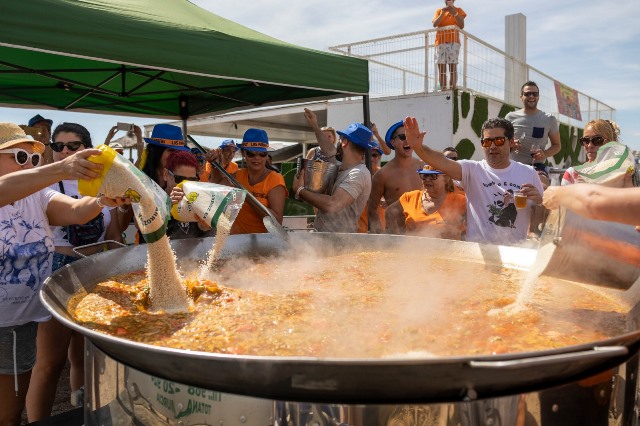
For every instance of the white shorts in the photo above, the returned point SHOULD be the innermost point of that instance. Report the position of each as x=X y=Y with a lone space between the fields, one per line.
x=447 y=53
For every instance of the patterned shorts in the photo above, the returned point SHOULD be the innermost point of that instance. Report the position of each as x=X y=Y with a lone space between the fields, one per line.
x=447 y=53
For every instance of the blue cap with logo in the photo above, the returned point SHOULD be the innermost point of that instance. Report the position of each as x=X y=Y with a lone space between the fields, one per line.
x=255 y=140
x=167 y=136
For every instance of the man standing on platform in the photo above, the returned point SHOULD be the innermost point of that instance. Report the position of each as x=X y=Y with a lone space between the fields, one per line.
x=532 y=128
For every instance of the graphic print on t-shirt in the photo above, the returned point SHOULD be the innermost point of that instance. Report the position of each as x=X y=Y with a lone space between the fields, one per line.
x=503 y=211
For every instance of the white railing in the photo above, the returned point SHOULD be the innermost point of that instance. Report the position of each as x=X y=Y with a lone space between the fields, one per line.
x=404 y=64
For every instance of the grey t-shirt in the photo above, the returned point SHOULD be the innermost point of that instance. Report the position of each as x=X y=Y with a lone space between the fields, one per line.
x=357 y=182
x=535 y=127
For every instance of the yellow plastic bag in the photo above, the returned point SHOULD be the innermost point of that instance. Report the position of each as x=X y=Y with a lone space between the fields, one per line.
x=120 y=178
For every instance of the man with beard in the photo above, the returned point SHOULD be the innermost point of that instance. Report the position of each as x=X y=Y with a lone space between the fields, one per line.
x=532 y=128
x=489 y=184
x=339 y=210
x=394 y=178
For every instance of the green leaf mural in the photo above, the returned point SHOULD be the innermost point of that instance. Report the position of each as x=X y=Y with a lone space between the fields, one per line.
x=480 y=114
x=456 y=118
x=506 y=109
x=465 y=101
x=466 y=149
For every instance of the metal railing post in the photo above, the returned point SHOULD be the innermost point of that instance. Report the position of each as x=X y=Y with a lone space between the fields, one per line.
x=465 y=56
x=426 y=62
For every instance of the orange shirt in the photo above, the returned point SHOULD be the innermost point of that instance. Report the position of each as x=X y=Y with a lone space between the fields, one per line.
x=446 y=222
x=204 y=177
x=248 y=220
x=448 y=36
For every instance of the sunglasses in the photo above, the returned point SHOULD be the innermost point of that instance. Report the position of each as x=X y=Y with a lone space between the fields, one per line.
x=498 y=141
x=252 y=154
x=22 y=157
x=401 y=136
x=453 y=158
x=529 y=94
x=179 y=178
x=595 y=140
x=432 y=177
x=71 y=146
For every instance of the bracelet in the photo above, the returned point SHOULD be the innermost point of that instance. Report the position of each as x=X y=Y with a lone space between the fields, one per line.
x=298 y=192
x=99 y=203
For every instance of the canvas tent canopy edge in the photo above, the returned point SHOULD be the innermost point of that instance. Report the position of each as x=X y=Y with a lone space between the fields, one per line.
x=133 y=57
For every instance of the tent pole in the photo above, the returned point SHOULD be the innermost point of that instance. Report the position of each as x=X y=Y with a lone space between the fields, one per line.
x=184 y=114
x=366 y=113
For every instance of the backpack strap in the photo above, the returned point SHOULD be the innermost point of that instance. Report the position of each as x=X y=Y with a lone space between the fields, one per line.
x=61 y=187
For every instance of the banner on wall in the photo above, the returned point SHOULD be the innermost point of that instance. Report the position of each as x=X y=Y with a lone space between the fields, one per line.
x=568 y=103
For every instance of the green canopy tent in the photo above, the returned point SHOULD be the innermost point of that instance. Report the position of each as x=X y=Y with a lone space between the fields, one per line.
x=166 y=59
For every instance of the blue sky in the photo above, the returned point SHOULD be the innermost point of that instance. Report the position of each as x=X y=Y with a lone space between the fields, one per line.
x=589 y=45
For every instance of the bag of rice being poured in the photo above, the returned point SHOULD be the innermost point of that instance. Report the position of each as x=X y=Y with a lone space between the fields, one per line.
x=151 y=204
x=120 y=178
x=611 y=167
x=208 y=201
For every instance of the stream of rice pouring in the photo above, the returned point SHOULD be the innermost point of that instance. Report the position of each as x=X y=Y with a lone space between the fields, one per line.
x=166 y=290
x=528 y=288
x=223 y=229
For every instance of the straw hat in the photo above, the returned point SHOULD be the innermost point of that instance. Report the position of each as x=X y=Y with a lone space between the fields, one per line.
x=11 y=135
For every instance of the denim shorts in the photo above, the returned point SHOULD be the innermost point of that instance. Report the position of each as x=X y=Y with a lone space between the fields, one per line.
x=25 y=348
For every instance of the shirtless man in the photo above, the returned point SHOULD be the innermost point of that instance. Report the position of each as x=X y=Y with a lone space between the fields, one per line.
x=394 y=178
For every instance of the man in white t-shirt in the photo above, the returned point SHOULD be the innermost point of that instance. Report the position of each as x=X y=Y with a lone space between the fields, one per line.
x=490 y=184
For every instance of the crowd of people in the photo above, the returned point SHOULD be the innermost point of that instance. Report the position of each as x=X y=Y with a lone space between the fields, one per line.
x=420 y=191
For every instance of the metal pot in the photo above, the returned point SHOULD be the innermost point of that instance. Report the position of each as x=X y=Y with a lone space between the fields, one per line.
x=338 y=380
x=319 y=176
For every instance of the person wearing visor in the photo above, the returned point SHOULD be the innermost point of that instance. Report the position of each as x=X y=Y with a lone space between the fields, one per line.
x=28 y=208
x=490 y=185
x=394 y=178
x=265 y=184
x=339 y=211
x=435 y=211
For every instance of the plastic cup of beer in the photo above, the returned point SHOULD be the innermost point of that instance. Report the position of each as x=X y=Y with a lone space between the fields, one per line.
x=520 y=200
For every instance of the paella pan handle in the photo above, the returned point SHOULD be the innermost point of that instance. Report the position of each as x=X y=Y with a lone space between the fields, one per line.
x=78 y=250
x=597 y=353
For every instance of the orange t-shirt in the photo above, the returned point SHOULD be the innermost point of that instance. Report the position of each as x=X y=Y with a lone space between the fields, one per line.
x=446 y=222
x=248 y=220
x=204 y=177
x=448 y=36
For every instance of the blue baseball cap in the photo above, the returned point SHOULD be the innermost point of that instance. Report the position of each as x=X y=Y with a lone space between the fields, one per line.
x=255 y=140
x=228 y=142
x=167 y=136
x=387 y=137
x=38 y=118
x=375 y=145
x=357 y=134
